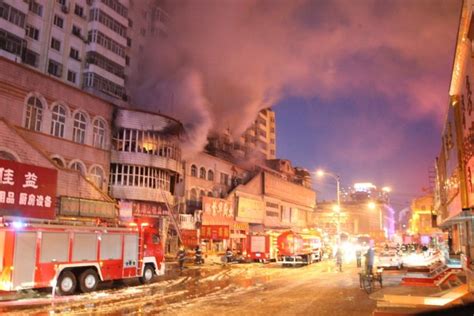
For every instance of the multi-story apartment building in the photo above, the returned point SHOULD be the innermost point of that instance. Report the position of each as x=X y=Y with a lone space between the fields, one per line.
x=260 y=137
x=85 y=43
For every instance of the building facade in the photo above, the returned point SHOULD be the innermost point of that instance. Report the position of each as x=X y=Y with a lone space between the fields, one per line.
x=94 y=45
x=49 y=124
x=113 y=163
x=227 y=200
x=356 y=218
x=454 y=193
x=260 y=137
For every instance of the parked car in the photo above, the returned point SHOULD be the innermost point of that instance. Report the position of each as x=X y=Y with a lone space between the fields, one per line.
x=389 y=259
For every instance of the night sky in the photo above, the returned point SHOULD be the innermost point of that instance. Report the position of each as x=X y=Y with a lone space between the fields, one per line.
x=381 y=120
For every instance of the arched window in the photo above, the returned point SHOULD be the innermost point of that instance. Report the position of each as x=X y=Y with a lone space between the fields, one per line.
x=58 y=120
x=78 y=167
x=210 y=175
x=58 y=162
x=7 y=156
x=209 y=193
x=79 y=130
x=194 y=171
x=34 y=114
x=193 y=198
x=202 y=173
x=99 y=134
x=97 y=176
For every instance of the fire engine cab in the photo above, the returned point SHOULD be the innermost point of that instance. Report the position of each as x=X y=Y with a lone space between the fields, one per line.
x=71 y=256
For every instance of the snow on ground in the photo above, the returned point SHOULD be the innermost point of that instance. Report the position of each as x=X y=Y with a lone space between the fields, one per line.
x=211 y=289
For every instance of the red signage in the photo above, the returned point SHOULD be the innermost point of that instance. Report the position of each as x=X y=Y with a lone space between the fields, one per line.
x=216 y=232
x=27 y=190
x=189 y=237
x=217 y=211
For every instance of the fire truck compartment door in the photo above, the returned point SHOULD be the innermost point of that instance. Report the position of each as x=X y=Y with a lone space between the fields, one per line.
x=24 y=259
x=257 y=244
x=130 y=257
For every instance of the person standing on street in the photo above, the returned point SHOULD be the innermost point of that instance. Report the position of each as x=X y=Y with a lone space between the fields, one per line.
x=181 y=256
x=369 y=260
x=339 y=258
x=359 y=257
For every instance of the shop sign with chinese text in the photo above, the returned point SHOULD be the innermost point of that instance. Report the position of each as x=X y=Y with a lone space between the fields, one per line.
x=27 y=190
x=151 y=209
x=189 y=237
x=217 y=211
x=215 y=232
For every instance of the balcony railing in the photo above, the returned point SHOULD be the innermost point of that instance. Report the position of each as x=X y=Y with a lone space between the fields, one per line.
x=186 y=221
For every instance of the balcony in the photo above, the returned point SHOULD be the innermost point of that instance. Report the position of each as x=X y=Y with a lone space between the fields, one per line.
x=186 y=221
x=143 y=159
x=140 y=193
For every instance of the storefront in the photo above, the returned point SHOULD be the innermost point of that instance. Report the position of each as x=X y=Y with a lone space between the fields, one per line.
x=238 y=236
x=217 y=221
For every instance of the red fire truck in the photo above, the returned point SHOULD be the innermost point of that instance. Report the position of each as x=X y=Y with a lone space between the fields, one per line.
x=257 y=248
x=295 y=248
x=72 y=257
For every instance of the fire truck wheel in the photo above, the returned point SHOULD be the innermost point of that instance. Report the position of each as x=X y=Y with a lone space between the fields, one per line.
x=88 y=280
x=66 y=284
x=148 y=274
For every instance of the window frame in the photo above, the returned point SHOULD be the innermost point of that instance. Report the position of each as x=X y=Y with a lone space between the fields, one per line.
x=34 y=114
x=58 y=120
x=79 y=128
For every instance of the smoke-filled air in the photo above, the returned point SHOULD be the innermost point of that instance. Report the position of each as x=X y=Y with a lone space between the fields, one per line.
x=218 y=65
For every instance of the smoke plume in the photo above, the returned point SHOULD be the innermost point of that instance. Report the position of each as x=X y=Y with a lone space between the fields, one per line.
x=223 y=61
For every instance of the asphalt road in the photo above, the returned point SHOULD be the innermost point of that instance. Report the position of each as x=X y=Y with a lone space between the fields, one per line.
x=240 y=289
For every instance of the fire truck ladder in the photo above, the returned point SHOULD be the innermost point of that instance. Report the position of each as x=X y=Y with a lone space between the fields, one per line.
x=172 y=216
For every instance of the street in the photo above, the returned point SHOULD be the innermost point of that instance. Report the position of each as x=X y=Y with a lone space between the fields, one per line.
x=253 y=289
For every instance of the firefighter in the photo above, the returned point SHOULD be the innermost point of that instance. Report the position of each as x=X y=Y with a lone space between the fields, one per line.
x=198 y=256
x=228 y=255
x=181 y=257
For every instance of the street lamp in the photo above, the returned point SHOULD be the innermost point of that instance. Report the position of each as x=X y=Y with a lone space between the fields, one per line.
x=321 y=173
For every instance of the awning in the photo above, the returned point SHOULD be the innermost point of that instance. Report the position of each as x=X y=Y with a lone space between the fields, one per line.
x=256 y=228
x=237 y=236
x=465 y=215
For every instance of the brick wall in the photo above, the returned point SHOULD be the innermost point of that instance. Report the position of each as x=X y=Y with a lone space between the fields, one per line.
x=70 y=183
x=18 y=81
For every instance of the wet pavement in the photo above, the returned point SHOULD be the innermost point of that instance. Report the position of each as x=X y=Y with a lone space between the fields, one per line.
x=250 y=289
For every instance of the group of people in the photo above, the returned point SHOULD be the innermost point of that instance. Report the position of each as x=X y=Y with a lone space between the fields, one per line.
x=181 y=256
x=369 y=258
x=198 y=258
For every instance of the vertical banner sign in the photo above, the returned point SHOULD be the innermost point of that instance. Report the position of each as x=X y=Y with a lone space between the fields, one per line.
x=27 y=190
